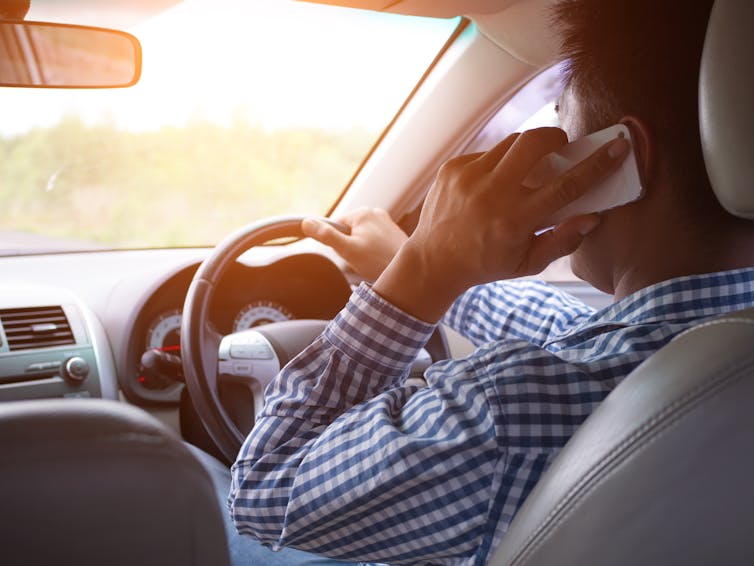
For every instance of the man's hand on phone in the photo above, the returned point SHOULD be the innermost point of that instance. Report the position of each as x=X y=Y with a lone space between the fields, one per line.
x=479 y=222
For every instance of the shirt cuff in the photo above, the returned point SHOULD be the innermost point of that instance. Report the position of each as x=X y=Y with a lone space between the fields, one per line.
x=376 y=333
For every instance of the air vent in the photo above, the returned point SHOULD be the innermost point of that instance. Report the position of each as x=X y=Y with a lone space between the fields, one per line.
x=36 y=327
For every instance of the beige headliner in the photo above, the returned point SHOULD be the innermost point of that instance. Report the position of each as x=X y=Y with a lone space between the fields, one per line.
x=518 y=26
x=121 y=14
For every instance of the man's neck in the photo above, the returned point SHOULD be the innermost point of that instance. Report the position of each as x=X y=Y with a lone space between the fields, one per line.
x=730 y=249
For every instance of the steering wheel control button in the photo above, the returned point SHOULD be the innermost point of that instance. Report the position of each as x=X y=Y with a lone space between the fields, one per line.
x=242 y=368
x=250 y=348
x=76 y=369
x=232 y=367
x=248 y=355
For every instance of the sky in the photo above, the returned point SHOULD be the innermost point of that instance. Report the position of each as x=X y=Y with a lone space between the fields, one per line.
x=275 y=62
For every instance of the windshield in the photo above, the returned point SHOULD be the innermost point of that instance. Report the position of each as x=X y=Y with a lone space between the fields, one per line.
x=245 y=109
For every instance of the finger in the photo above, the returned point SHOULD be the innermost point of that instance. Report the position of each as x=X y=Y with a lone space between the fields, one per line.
x=492 y=157
x=527 y=149
x=324 y=233
x=561 y=241
x=459 y=161
x=579 y=179
x=355 y=216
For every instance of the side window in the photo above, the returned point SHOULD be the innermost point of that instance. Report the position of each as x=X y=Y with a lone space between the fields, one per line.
x=531 y=107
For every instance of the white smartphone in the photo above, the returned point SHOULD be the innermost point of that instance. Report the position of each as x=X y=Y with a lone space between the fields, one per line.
x=621 y=187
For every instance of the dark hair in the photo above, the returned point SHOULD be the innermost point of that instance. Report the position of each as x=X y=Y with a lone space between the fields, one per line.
x=642 y=57
x=14 y=9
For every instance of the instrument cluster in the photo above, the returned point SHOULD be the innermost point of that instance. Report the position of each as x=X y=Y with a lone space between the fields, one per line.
x=305 y=286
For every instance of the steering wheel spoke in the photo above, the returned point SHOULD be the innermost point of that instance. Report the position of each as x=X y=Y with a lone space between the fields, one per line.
x=210 y=341
x=248 y=358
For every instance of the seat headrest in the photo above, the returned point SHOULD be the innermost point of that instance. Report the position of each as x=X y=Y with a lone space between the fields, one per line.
x=726 y=111
x=92 y=482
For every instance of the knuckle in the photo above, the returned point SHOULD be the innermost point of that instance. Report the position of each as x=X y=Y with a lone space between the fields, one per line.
x=461 y=175
x=567 y=188
x=528 y=135
x=600 y=162
x=448 y=168
x=596 y=165
x=360 y=213
x=509 y=227
x=453 y=164
x=548 y=136
x=467 y=180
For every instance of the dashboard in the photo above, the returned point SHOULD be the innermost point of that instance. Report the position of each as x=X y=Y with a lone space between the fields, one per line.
x=112 y=307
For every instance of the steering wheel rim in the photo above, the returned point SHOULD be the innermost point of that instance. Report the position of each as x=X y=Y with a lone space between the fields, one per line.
x=200 y=342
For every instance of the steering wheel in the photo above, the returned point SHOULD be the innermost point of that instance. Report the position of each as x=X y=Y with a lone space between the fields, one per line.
x=252 y=357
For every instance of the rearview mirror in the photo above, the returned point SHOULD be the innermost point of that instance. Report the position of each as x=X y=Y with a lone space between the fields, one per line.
x=46 y=55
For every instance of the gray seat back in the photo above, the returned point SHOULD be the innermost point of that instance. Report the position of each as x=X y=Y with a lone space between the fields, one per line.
x=661 y=473
x=726 y=118
x=93 y=483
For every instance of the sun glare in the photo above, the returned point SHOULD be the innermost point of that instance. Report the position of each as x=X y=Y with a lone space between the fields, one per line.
x=273 y=62
x=245 y=109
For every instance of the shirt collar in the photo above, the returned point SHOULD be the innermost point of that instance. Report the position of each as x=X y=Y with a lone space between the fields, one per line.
x=683 y=298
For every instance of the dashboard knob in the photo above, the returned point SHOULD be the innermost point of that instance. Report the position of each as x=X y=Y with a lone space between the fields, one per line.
x=161 y=365
x=76 y=369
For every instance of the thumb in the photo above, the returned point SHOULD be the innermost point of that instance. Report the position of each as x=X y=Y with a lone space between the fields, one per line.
x=323 y=232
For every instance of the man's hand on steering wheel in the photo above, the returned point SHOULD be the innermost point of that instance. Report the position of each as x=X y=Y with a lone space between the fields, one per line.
x=369 y=248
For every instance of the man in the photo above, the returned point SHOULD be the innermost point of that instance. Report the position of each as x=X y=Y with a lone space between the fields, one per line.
x=348 y=461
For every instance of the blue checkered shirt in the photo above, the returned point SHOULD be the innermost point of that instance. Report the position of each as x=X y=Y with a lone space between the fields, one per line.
x=348 y=461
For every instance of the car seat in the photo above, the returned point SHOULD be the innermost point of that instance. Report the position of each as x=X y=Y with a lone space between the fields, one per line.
x=661 y=473
x=93 y=482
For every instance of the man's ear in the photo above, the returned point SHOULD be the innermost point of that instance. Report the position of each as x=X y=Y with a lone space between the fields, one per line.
x=645 y=147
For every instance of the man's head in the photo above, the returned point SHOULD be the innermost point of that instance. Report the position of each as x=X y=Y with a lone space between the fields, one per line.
x=637 y=62
x=14 y=9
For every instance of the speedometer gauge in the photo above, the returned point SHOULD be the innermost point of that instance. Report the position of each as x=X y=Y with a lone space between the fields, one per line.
x=165 y=332
x=259 y=313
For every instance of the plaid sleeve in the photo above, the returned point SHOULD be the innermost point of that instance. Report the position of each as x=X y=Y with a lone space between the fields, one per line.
x=337 y=423
x=521 y=309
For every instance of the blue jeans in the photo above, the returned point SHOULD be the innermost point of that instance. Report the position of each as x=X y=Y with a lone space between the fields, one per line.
x=244 y=550
x=247 y=551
